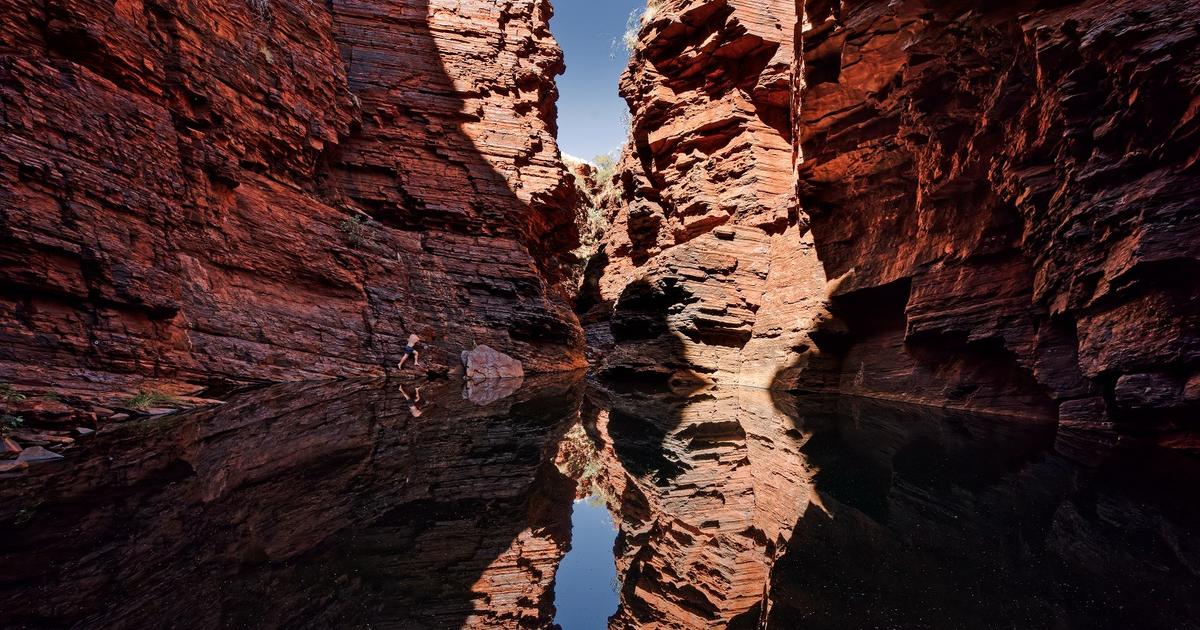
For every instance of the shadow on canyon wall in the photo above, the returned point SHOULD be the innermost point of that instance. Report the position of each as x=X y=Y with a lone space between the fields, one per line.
x=874 y=513
x=1020 y=242
x=203 y=214
x=301 y=505
x=866 y=347
x=420 y=163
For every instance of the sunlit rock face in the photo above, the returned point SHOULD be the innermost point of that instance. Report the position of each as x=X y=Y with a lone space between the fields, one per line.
x=994 y=206
x=709 y=486
x=1008 y=193
x=278 y=189
x=337 y=505
x=706 y=238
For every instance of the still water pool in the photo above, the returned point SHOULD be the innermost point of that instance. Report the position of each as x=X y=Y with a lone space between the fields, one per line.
x=583 y=505
x=585 y=586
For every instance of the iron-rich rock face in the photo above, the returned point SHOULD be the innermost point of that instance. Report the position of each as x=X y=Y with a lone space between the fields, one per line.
x=706 y=264
x=995 y=205
x=1008 y=194
x=278 y=189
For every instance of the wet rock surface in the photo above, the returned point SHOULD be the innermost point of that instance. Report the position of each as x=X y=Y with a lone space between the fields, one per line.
x=278 y=190
x=333 y=504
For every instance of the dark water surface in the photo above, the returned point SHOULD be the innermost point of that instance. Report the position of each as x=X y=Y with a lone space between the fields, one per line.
x=343 y=505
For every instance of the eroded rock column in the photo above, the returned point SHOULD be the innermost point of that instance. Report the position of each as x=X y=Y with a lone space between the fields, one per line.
x=706 y=268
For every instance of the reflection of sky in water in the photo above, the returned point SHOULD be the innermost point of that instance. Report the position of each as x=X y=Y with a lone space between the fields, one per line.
x=327 y=505
x=585 y=589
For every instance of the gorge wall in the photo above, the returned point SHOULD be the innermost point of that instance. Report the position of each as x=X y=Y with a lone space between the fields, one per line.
x=957 y=204
x=278 y=189
x=706 y=270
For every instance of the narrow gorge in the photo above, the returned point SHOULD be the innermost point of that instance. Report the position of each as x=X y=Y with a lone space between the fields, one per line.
x=885 y=314
x=981 y=208
x=958 y=205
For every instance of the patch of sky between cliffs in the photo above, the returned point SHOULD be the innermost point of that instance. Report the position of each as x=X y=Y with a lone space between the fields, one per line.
x=592 y=117
x=586 y=587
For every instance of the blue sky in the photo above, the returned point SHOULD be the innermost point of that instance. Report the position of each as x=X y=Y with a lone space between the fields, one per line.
x=589 y=110
x=585 y=586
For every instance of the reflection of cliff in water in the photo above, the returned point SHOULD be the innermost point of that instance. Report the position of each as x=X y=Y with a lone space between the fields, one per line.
x=943 y=520
x=709 y=485
x=850 y=513
x=331 y=505
x=301 y=506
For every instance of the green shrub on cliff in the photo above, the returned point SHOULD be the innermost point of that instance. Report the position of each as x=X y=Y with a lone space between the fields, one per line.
x=8 y=394
x=355 y=229
x=146 y=399
x=8 y=424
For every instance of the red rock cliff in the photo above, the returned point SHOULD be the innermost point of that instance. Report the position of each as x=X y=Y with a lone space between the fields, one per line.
x=1008 y=195
x=278 y=189
x=706 y=268
x=995 y=205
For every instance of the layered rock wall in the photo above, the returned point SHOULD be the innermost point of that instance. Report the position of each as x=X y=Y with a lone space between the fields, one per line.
x=994 y=205
x=706 y=271
x=1008 y=195
x=278 y=189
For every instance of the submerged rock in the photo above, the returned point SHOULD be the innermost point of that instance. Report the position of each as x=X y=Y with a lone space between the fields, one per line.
x=12 y=465
x=9 y=448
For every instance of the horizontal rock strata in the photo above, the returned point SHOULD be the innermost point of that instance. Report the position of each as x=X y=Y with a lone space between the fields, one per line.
x=279 y=189
x=993 y=210
x=1008 y=193
x=705 y=272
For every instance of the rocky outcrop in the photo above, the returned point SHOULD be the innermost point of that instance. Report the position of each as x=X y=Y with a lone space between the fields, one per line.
x=994 y=206
x=486 y=363
x=1007 y=194
x=279 y=189
x=706 y=271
